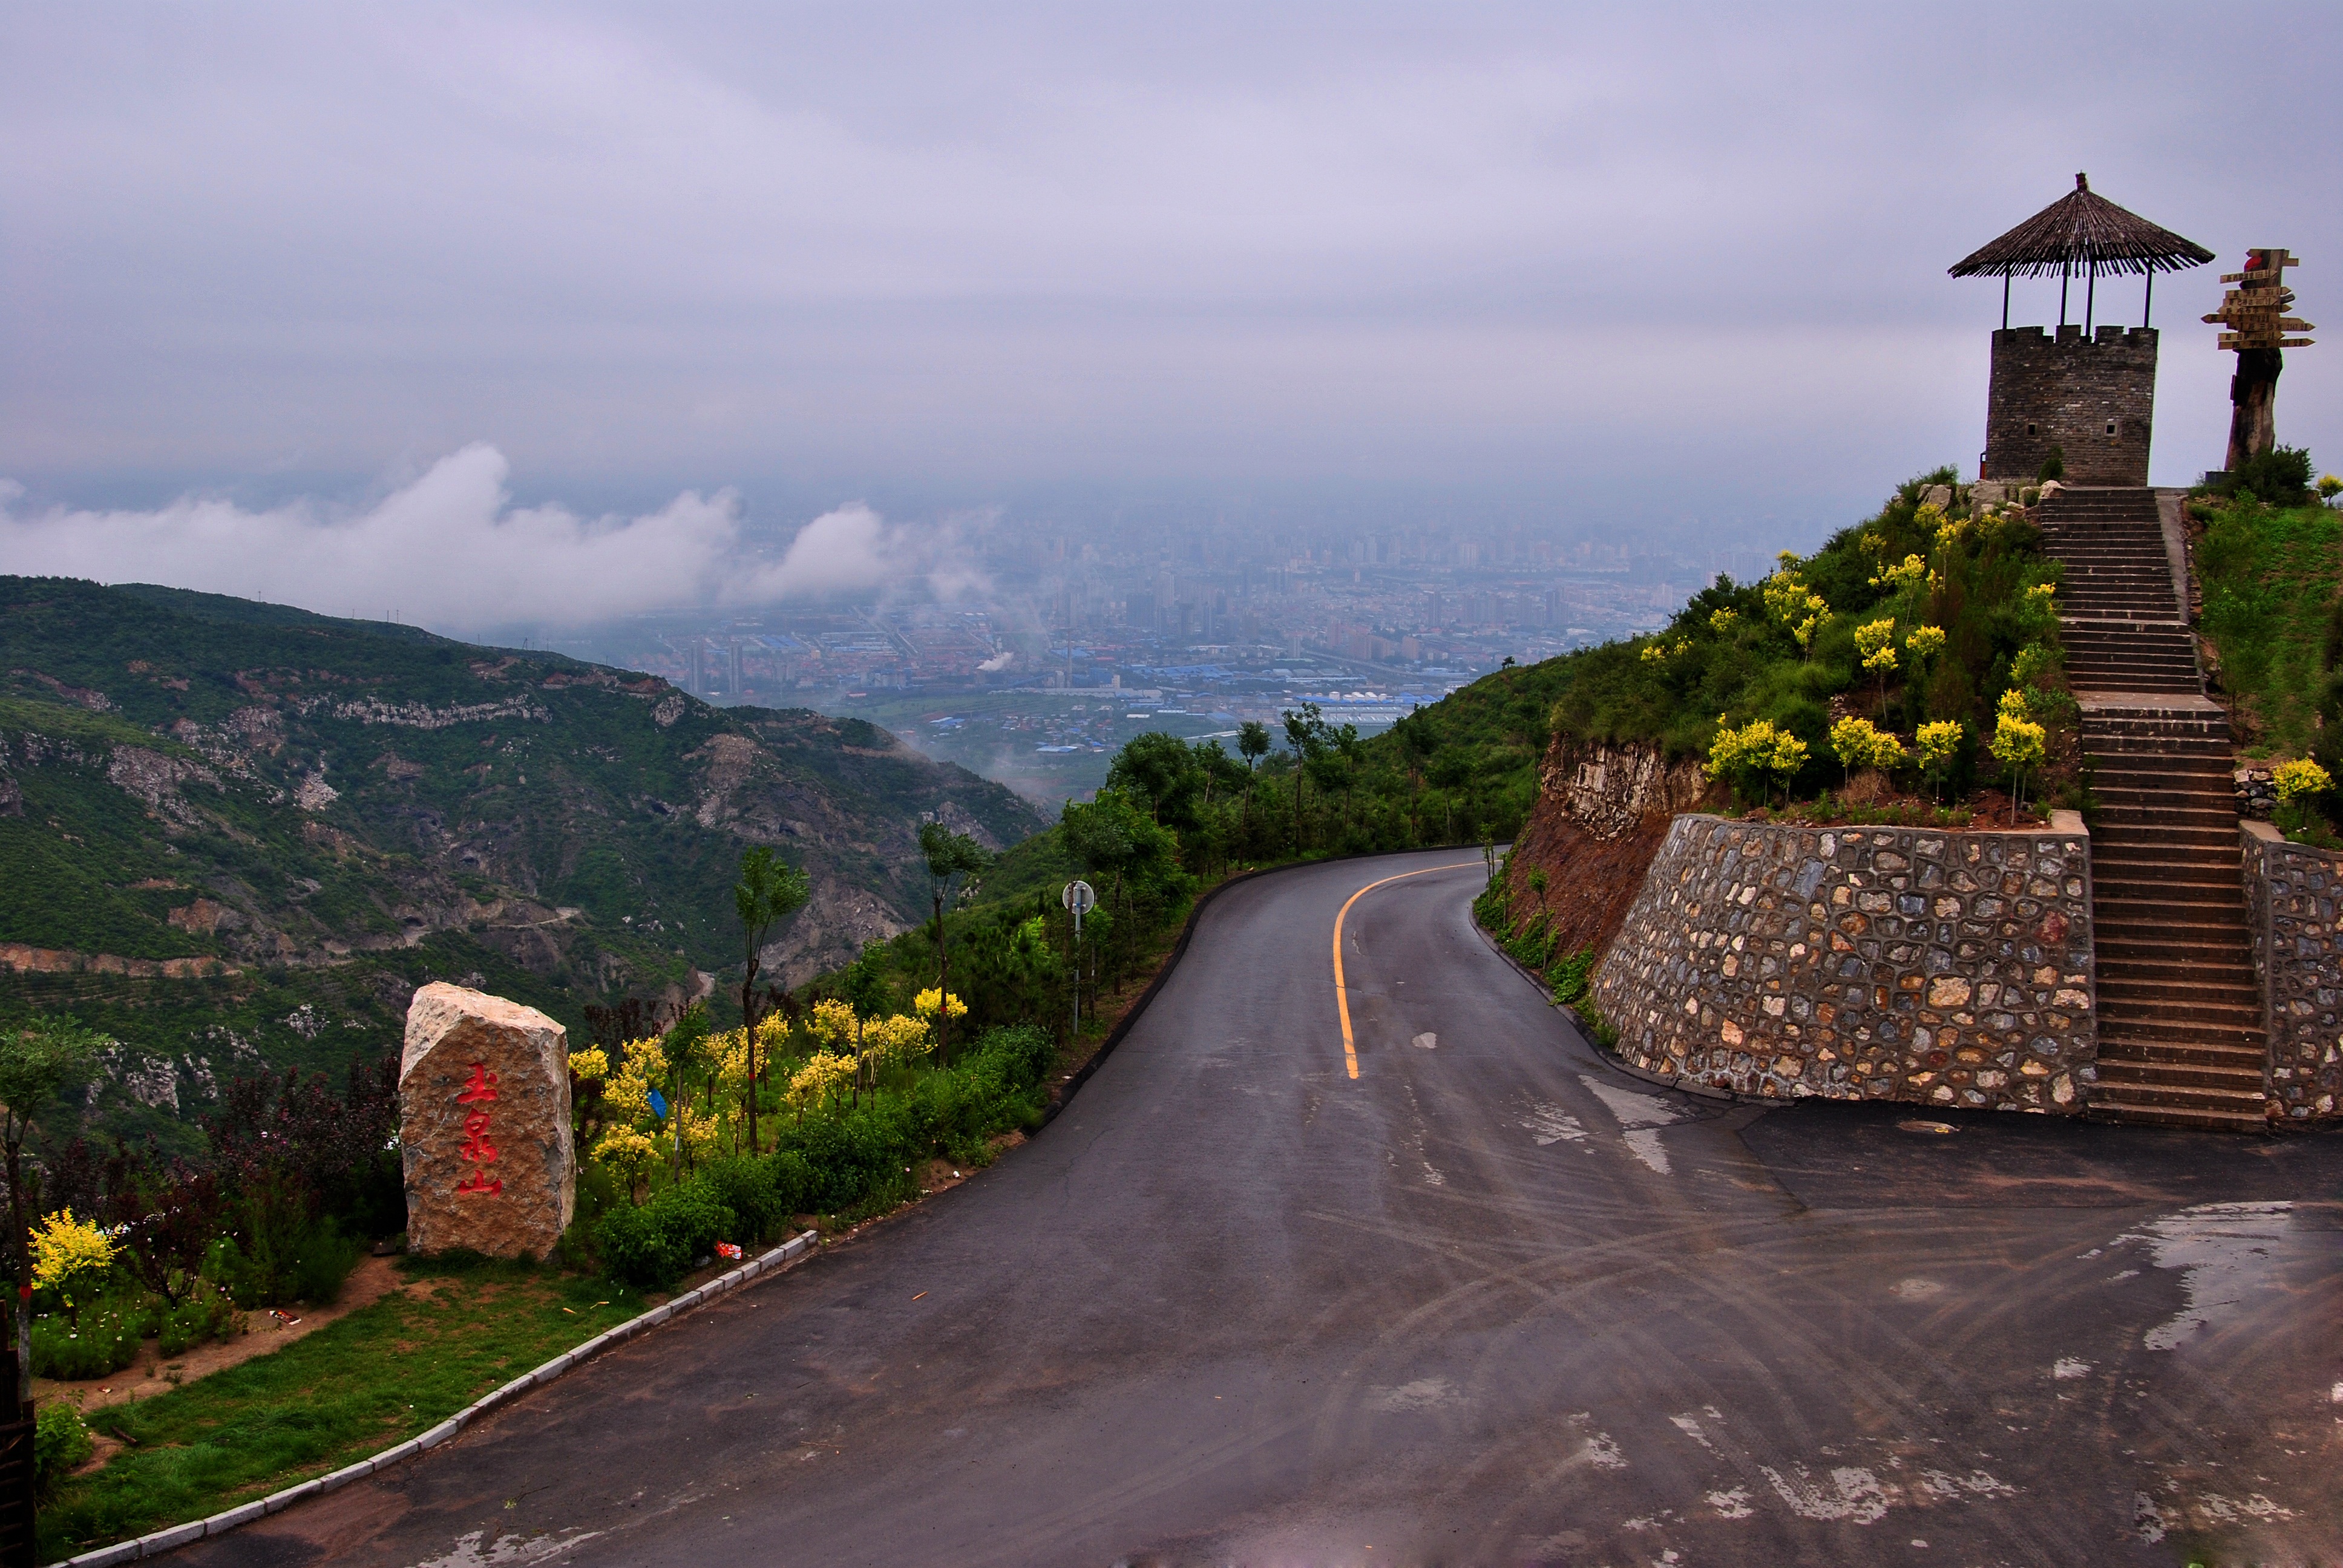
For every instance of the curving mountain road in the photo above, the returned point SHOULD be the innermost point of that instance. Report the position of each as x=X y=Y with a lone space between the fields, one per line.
x=1490 y=1300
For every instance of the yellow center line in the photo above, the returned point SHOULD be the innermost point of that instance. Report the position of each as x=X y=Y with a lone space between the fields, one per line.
x=1342 y=995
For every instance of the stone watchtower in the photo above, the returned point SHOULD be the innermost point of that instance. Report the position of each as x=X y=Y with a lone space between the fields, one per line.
x=2090 y=391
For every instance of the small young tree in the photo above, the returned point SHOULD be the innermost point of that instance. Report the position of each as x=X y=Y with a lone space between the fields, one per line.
x=947 y=855
x=1853 y=741
x=37 y=1059
x=1938 y=744
x=2018 y=744
x=1876 y=641
x=1252 y=745
x=768 y=893
x=1306 y=736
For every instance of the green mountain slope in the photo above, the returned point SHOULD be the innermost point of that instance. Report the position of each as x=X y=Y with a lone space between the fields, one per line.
x=237 y=833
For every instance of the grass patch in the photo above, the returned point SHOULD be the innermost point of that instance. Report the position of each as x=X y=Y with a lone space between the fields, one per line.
x=372 y=1380
x=2270 y=581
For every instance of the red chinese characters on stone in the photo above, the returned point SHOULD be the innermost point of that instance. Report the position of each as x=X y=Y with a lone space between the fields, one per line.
x=479 y=1090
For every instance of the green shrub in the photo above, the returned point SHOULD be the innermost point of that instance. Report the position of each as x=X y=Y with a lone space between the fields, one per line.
x=323 y=1263
x=280 y=1256
x=2278 y=477
x=208 y=1313
x=746 y=1186
x=1572 y=977
x=654 y=1246
x=104 y=1339
x=1023 y=1051
x=61 y=1443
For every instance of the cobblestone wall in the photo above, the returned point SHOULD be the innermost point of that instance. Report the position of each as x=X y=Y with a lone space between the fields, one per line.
x=1941 y=967
x=2292 y=890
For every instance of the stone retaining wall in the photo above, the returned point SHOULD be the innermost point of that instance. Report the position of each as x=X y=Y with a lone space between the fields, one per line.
x=2291 y=890
x=1878 y=963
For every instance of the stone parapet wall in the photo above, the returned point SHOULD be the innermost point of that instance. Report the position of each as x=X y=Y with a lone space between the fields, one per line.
x=2291 y=892
x=1877 y=963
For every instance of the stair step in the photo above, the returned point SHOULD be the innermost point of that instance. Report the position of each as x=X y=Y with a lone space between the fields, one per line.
x=2123 y=1106
x=2198 y=832
x=2133 y=884
x=2119 y=1082
x=2172 y=1076
x=2241 y=1008
x=2118 y=977
x=2140 y=1052
x=2185 y=1033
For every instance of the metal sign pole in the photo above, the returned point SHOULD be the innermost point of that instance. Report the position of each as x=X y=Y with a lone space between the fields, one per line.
x=1079 y=897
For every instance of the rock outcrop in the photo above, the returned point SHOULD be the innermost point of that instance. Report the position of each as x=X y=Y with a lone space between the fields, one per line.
x=1602 y=813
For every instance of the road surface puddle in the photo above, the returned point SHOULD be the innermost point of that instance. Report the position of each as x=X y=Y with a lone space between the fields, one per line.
x=1638 y=1116
x=1424 y=1393
x=1551 y=1124
x=2227 y=1252
x=473 y=1550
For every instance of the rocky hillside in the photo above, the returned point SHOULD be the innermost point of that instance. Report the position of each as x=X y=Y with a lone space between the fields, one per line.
x=1602 y=809
x=239 y=833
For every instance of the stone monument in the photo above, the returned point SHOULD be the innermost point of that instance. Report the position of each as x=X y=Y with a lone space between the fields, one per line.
x=484 y=1124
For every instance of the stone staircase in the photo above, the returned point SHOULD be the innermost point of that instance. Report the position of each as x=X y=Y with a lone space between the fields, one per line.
x=2181 y=1036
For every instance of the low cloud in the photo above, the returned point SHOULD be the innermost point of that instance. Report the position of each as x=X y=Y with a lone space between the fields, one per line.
x=452 y=552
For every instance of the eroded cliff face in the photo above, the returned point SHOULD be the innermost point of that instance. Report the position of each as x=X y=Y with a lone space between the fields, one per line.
x=1602 y=813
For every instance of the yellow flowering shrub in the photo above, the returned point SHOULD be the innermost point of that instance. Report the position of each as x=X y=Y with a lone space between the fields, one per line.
x=702 y=1133
x=1786 y=597
x=1857 y=743
x=627 y=1094
x=929 y=1000
x=593 y=1065
x=66 y=1250
x=895 y=1039
x=825 y=1076
x=1721 y=621
x=832 y=1022
x=2298 y=777
x=2018 y=743
x=1924 y=641
x=1758 y=747
x=731 y=1052
x=1905 y=574
x=628 y=1151
x=1876 y=641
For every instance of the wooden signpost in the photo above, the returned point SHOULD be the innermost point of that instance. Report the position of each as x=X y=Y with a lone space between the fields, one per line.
x=2255 y=315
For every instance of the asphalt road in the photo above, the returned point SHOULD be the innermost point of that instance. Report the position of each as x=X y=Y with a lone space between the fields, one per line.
x=1490 y=1300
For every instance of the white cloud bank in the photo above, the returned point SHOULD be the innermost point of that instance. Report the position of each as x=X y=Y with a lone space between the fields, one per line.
x=452 y=552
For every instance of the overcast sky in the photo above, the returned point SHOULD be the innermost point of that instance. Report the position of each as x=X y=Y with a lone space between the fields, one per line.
x=1606 y=265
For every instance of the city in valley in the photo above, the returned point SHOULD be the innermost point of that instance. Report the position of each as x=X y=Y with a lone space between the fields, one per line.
x=1071 y=642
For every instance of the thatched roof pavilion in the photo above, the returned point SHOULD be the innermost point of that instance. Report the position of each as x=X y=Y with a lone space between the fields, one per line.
x=2081 y=231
